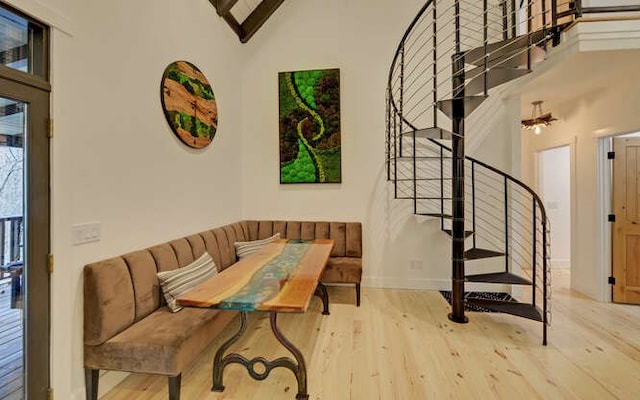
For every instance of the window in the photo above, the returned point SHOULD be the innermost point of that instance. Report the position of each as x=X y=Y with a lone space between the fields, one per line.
x=22 y=44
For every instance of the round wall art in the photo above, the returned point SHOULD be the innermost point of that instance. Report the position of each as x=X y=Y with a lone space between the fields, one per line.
x=189 y=104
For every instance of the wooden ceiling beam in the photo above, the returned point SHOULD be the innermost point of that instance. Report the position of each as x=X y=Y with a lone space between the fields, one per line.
x=223 y=6
x=252 y=23
x=234 y=24
x=258 y=17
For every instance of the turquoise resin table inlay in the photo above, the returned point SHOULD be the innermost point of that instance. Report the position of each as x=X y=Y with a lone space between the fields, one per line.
x=266 y=282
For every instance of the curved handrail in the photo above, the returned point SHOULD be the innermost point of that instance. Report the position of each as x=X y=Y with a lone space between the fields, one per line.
x=397 y=54
x=516 y=181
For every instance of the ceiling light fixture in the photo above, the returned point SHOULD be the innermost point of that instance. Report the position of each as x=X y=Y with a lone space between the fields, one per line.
x=538 y=119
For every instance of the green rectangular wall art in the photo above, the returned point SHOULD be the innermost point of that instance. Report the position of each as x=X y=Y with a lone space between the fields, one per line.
x=310 y=126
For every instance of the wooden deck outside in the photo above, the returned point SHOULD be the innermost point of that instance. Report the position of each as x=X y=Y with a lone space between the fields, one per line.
x=11 y=359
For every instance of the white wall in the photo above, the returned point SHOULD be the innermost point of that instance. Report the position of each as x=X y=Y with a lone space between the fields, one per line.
x=115 y=159
x=555 y=190
x=609 y=108
x=360 y=38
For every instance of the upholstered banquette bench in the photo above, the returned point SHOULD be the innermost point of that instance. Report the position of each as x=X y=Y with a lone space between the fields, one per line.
x=127 y=324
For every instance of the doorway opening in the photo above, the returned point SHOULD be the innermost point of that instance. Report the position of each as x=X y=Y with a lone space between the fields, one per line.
x=24 y=207
x=622 y=185
x=554 y=184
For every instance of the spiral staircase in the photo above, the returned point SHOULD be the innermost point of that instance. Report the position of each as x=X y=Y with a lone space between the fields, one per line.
x=453 y=56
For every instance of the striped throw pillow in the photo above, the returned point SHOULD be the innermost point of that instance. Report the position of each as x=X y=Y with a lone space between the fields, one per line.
x=243 y=249
x=179 y=281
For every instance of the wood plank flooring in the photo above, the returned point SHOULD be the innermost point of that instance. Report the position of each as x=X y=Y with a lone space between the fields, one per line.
x=399 y=345
x=11 y=379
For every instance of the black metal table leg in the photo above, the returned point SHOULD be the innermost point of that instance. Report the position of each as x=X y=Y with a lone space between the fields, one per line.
x=321 y=291
x=298 y=367
x=219 y=362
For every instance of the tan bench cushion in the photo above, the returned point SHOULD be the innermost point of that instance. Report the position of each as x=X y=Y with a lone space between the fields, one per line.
x=342 y=270
x=162 y=343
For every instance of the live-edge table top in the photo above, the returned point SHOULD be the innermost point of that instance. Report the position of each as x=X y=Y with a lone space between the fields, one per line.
x=282 y=276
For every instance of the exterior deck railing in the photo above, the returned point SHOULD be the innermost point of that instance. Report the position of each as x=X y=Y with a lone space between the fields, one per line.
x=11 y=239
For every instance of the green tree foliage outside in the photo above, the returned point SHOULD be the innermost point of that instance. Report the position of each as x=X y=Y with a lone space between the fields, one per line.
x=301 y=169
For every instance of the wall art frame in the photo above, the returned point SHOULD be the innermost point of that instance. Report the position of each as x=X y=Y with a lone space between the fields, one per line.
x=309 y=126
x=189 y=104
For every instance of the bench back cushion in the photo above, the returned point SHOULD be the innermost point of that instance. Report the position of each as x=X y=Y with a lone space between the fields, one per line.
x=347 y=235
x=123 y=290
x=109 y=305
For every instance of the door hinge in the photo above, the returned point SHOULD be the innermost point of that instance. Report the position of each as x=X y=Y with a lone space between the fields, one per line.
x=50 y=128
x=611 y=218
x=611 y=155
x=50 y=263
x=611 y=280
x=50 y=394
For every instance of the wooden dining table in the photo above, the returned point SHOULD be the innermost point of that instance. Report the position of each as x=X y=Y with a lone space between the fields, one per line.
x=283 y=276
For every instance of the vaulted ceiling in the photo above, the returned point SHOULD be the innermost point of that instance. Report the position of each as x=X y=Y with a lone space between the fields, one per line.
x=245 y=17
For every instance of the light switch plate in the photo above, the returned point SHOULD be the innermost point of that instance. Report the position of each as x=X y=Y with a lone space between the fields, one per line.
x=85 y=233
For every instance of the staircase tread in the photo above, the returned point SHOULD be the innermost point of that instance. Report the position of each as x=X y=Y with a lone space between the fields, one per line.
x=430 y=133
x=498 y=277
x=512 y=59
x=470 y=104
x=422 y=179
x=524 y=310
x=479 y=70
x=423 y=198
x=477 y=253
x=497 y=50
x=466 y=233
x=446 y=216
x=421 y=158
x=495 y=77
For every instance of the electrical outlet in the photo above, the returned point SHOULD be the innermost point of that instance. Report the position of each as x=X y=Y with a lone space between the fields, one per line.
x=85 y=233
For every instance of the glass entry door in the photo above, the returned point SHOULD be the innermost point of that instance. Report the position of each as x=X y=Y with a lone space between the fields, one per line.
x=24 y=208
x=24 y=241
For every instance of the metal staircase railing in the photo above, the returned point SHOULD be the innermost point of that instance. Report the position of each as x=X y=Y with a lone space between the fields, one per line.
x=453 y=53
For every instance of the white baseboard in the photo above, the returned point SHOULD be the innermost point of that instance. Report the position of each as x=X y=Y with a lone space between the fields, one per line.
x=428 y=284
x=406 y=283
x=109 y=380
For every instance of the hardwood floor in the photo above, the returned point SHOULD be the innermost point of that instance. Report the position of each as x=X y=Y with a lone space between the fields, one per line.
x=400 y=345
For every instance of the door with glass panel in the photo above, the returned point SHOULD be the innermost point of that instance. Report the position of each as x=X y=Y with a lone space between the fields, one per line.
x=24 y=208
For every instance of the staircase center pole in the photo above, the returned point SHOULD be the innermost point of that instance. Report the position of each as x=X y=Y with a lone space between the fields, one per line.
x=457 y=189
